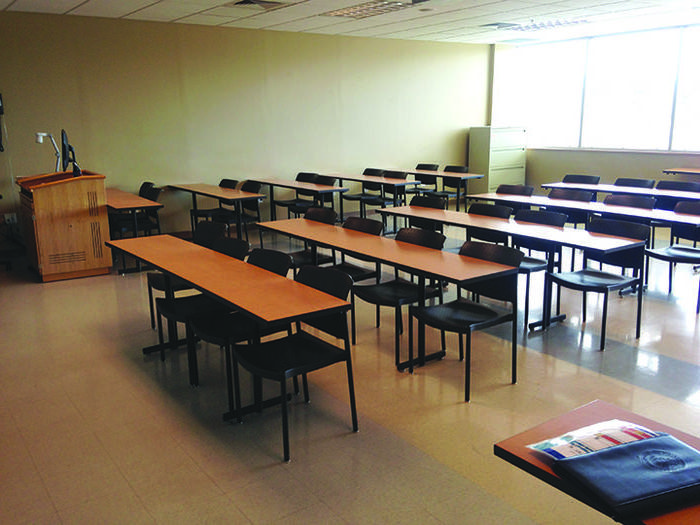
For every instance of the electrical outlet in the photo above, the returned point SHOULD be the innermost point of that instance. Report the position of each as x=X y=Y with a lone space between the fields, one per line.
x=10 y=218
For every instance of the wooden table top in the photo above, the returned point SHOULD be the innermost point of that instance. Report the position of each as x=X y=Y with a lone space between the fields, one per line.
x=263 y=294
x=297 y=185
x=406 y=256
x=627 y=190
x=592 y=207
x=683 y=171
x=566 y=236
x=123 y=200
x=217 y=192
x=446 y=174
x=515 y=451
x=373 y=178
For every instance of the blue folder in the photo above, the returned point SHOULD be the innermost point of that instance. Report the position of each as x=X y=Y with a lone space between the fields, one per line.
x=644 y=477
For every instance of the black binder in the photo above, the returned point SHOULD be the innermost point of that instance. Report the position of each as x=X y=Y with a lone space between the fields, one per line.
x=642 y=477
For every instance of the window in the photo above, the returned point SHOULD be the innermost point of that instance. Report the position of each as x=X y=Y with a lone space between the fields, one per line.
x=630 y=91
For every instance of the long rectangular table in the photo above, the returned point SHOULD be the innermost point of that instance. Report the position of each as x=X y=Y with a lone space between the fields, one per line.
x=263 y=295
x=556 y=236
x=419 y=260
x=515 y=451
x=626 y=190
x=312 y=187
x=226 y=195
x=463 y=179
x=682 y=171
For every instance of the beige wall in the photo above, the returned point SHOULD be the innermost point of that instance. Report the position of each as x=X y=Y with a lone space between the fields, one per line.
x=177 y=103
x=551 y=165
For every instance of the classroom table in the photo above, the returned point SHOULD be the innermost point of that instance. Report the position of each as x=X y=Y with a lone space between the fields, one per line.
x=610 y=210
x=263 y=295
x=316 y=189
x=419 y=260
x=121 y=201
x=565 y=236
x=463 y=178
x=682 y=171
x=626 y=190
x=226 y=195
x=515 y=451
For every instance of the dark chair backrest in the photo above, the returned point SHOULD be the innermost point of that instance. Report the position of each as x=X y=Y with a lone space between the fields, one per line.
x=271 y=260
x=228 y=183
x=143 y=189
x=253 y=205
x=427 y=238
x=635 y=183
x=362 y=224
x=372 y=186
x=633 y=201
x=305 y=176
x=392 y=174
x=504 y=288
x=425 y=178
x=375 y=172
x=515 y=189
x=688 y=207
x=548 y=218
x=491 y=210
x=326 y=179
x=206 y=232
x=427 y=167
x=426 y=201
x=686 y=231
x=457 y=169
x=571 y=195
x=630 y=230
x=333 y=282
x=678 y=185
x=151 y=193
x=453 y=182
x=327 y=215
x=236 y=248
x=581 y=179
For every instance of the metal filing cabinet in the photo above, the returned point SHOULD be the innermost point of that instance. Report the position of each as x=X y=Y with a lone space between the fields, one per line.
x=498 y=153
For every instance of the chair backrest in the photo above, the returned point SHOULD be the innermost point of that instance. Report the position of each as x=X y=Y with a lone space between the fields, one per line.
x=515 y=189
x=252 y=205
x=305 y=176
x=392 y=174
x=688 y=207
x=362 y=224
x=686 y=231
x=571 y=195
x=228 y=183
x=427 y=238
x=426 y=201
x=635 y=183
x=453 y=182
x=206 y=232
x=271 y=260
x=375 y=172
x=504 y=288
x=548 y=218
x=630 y=230
x=633 y=201
x=427 y=166
x=581 y=179
x=491 y=210
x=151 y=192
x=425 y=178
x=326 y=179
x=236 y=248
x=678 y=185
x=143 y=189
x=333 y=282
x=327 y=215
x=372 y=186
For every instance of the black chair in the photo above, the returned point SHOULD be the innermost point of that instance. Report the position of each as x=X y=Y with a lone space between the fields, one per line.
x=530 y=264
x=302 y=205
x=574 y=217
x=356 y=272
x=205 y=234
x=669 y=203
x=516 y=189
x=632 y=201
x=426 y=201
x=207 y=213
x=490 y=210
x=398 y=291
x=634 y=183
x=452 y=186
x=598 y=281
x=390 y=194
x=427 y=182
x=303 y=352
x=463 y=316
x=309 y=255
x=183 y=309
x=249 y=211
x=302 y=197
x=678 y=253
x=370 y=191
x=146 y=221
x=581 y=179
x=225 y=328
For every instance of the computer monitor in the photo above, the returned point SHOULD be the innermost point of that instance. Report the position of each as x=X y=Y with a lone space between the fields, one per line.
x=68 y=154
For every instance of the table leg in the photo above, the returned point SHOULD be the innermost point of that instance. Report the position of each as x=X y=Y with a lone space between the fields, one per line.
x=273 y=211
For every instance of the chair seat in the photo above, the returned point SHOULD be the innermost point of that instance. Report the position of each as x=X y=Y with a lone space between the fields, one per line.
x=392 y=293
x=532 y=264
x=156 y=280
x=358 y=196
x=677 y=253
x=593 y=280
x=288 y=356
x=182 y=309
x=460 y=316
x=223 y=328
x=306 y=257
x=357 y=273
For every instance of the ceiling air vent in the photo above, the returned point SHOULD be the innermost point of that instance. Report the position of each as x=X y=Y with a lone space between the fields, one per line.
x=373 y=8
x=256 y=4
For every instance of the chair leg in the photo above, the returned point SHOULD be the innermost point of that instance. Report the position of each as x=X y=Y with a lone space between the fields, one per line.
x=410 y=339
x=161 y=342
x=670 y=277
x=527 y=298
x=192 y=355
x=150 y=307
x=583 y=314
x=285 y=422
x=605 y=318
x=397 y=335
x=514 y=347
x=351 y=391
x=467 y=365
x=305 y=384
x=353 y=321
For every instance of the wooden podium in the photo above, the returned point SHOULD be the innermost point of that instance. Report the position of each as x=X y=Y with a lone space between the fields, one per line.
x=64 y=224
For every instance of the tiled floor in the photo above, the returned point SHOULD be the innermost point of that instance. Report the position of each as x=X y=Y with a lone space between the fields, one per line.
x=94 y=432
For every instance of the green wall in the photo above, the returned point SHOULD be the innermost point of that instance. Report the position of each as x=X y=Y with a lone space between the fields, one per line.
x=178 y=103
